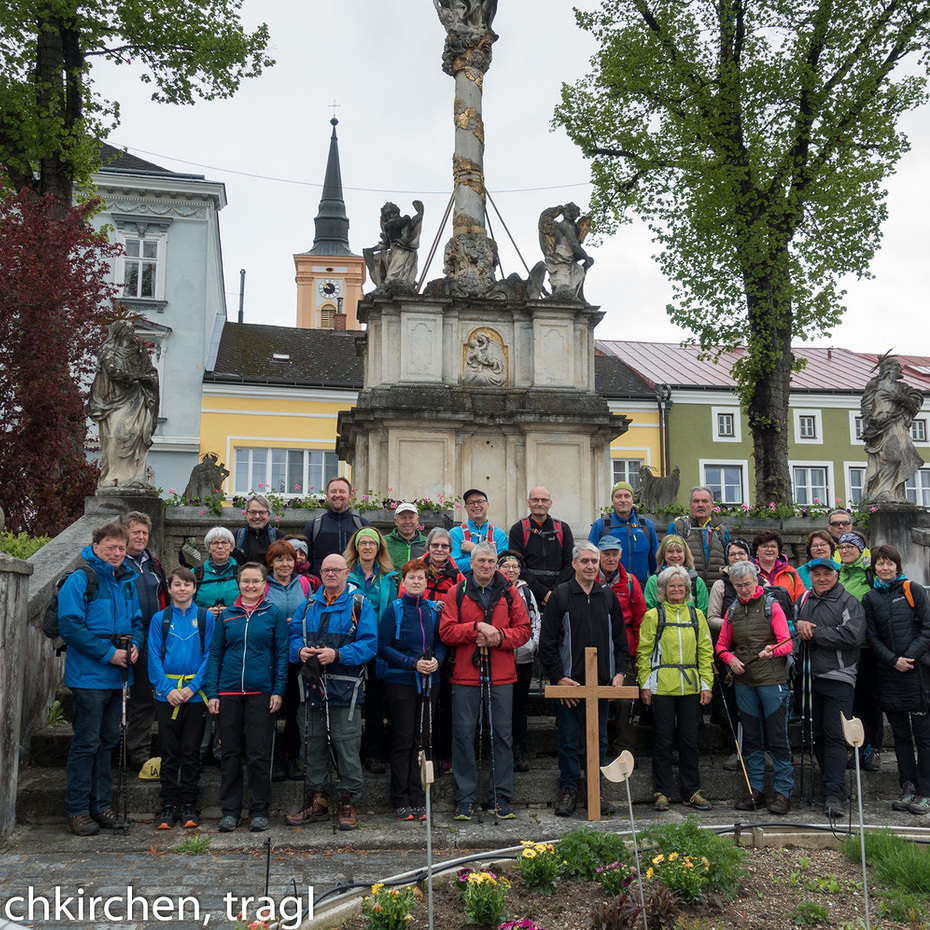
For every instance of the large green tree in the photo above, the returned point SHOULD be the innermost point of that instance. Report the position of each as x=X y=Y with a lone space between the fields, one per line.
x=51 y=118
x=754 y=137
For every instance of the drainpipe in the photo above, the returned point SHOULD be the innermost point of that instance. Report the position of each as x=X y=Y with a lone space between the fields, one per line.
x=664 y=403
x=241 y=294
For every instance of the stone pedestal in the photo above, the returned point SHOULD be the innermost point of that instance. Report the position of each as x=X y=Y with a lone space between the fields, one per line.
x=487 y=393
x=907 y=528
x=115 y=503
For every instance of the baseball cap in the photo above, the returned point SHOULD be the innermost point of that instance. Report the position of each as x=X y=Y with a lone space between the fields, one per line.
x=470 y=491
x=822 y=563
x=405 y=508
x=609 y=542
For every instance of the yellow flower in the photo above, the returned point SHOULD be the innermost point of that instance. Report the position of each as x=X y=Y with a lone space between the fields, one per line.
x=526 y=842
x=649 y=872
x=706 y=863
x=376 y=888
x=504 y=882
x=377 y=909
x=658 y=859
x=529 y=853
x=672 y=856
x=408 y=916
x=688 y=864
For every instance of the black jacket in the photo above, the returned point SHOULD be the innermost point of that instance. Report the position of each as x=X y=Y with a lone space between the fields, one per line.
x=594 y=619
x=548 y=562
x=838 y=633
x=895 y=629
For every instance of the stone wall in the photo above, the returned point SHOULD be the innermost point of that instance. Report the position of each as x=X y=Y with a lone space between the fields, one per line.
x=14 y=593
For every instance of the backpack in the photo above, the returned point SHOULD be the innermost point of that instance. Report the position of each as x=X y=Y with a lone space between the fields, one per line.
x=240 y=536
x=525 y=523
x=166 y=625
x=50 y=617
x=381 y=666
x=660 y=629
x=772 y=593
x=315 y=528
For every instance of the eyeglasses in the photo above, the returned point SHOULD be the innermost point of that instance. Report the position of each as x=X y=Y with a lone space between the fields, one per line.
x=221 y=542
x=476 y=501
x=256 y=513
x=540 y=500
x=841 y=523
x=439 y=546
x=332 y=571
x=744 y=585
x=848 y=547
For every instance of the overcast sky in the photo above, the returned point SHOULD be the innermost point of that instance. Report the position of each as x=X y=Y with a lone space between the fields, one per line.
x=380 y=62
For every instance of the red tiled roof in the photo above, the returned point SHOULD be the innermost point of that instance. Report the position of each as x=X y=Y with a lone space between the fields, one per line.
x=826 y=370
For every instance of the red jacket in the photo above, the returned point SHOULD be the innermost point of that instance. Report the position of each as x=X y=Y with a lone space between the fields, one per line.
x=438 y=586
x=630 y=594
x=457 y=628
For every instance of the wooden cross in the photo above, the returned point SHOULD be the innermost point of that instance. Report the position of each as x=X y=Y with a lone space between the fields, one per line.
x=590 y=692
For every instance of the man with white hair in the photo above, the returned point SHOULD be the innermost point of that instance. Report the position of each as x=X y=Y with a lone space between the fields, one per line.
x=581 y=612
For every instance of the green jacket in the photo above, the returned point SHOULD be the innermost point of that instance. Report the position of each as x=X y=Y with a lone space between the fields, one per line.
x=699 y=595
x=402 y=550
x=681 y=662
x=856 y=577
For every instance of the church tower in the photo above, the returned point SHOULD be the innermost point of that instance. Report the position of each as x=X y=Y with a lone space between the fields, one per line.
x=330 y=276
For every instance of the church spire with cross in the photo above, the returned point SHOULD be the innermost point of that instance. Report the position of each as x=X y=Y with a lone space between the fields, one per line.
x=330 y=276
x=332 y=223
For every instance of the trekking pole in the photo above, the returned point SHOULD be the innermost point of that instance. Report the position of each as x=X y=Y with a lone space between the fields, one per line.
x=807 y=700
x=481 y=671
x=426 y=777
x=125 y=642
x=739 y=753
x=486 y=660
x=330 y=747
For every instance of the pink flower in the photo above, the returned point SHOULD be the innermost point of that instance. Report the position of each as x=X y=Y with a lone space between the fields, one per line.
x=202 y=512
x=172 y=491
x=771 y=505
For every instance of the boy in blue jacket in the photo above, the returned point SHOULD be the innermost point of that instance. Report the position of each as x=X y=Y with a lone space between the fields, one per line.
x=177 y=668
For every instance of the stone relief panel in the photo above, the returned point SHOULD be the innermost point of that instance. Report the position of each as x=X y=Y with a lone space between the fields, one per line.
x=420 y=349
x=554 y=355
x=485 y=359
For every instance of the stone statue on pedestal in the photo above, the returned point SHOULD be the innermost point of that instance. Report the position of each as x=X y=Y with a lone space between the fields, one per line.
x=124 y=404
x=560 y=241
x=206 y=478
x=888 y=408
x=392 y=263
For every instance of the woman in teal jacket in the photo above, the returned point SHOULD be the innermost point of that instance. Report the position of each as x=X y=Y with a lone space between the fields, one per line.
x=371 y=570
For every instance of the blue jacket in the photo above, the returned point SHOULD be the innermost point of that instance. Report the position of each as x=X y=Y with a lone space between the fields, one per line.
x=248 y=654
x=334 y=626
x=463 y=560
x=402 y=646
x=88 y=629
x=380 y=593
x=288 y=599
x=183 y=655
x=638 y=537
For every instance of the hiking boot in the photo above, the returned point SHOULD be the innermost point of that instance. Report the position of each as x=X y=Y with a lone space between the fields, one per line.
x=732 y=764
x=188 y=818
x=258 y=825
x=698 y=802
x=519 y=760
x=316 y=807
x=404 y=813
x=166 y=820
x=920 y=805
x=109 y=819
x=907 y=795
x=346 y=817
x=419 y=813
x=464 y=810
x=228 y=824
x=607 y=809
x=83 y=825
x=834 y=807
x=568 y=799
x=754 y=801
x=780 y=804
x=660 y=802
x=504 y=810
x=292 y=769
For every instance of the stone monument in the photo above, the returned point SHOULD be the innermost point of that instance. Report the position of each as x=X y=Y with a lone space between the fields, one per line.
x=478 y=382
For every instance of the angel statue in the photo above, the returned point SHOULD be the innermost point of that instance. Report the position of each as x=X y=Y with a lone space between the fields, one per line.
x=560 y=241
x=394 y=258
x=888 y=407
x=466 y=15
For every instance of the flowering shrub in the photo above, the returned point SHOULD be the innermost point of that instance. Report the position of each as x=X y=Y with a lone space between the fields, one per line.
x=686 y=876
x=389 y=909
x=538 y=866
x=484 y=896
x=213 y=503
x=525 y=924
x=615 y=877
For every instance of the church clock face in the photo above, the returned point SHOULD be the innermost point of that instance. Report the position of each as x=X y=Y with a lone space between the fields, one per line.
x=330 y=287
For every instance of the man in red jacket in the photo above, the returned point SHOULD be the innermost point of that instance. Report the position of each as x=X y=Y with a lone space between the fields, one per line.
x=484 y=612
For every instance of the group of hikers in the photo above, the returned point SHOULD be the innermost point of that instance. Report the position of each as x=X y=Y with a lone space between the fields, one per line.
x=341 y=628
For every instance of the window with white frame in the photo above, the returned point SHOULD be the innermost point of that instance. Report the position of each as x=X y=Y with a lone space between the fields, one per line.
x=857 y=428
x=140 y=268
x=726 y=424
x=919 y=430
x=855 y=482
x=917 y=488
x=808 y=426
x=725 y=481
x=810 y=484
x=141 y=271
x=284 y=471
x=627 y=470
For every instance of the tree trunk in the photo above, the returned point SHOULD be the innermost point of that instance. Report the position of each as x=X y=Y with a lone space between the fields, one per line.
x=765 y=376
